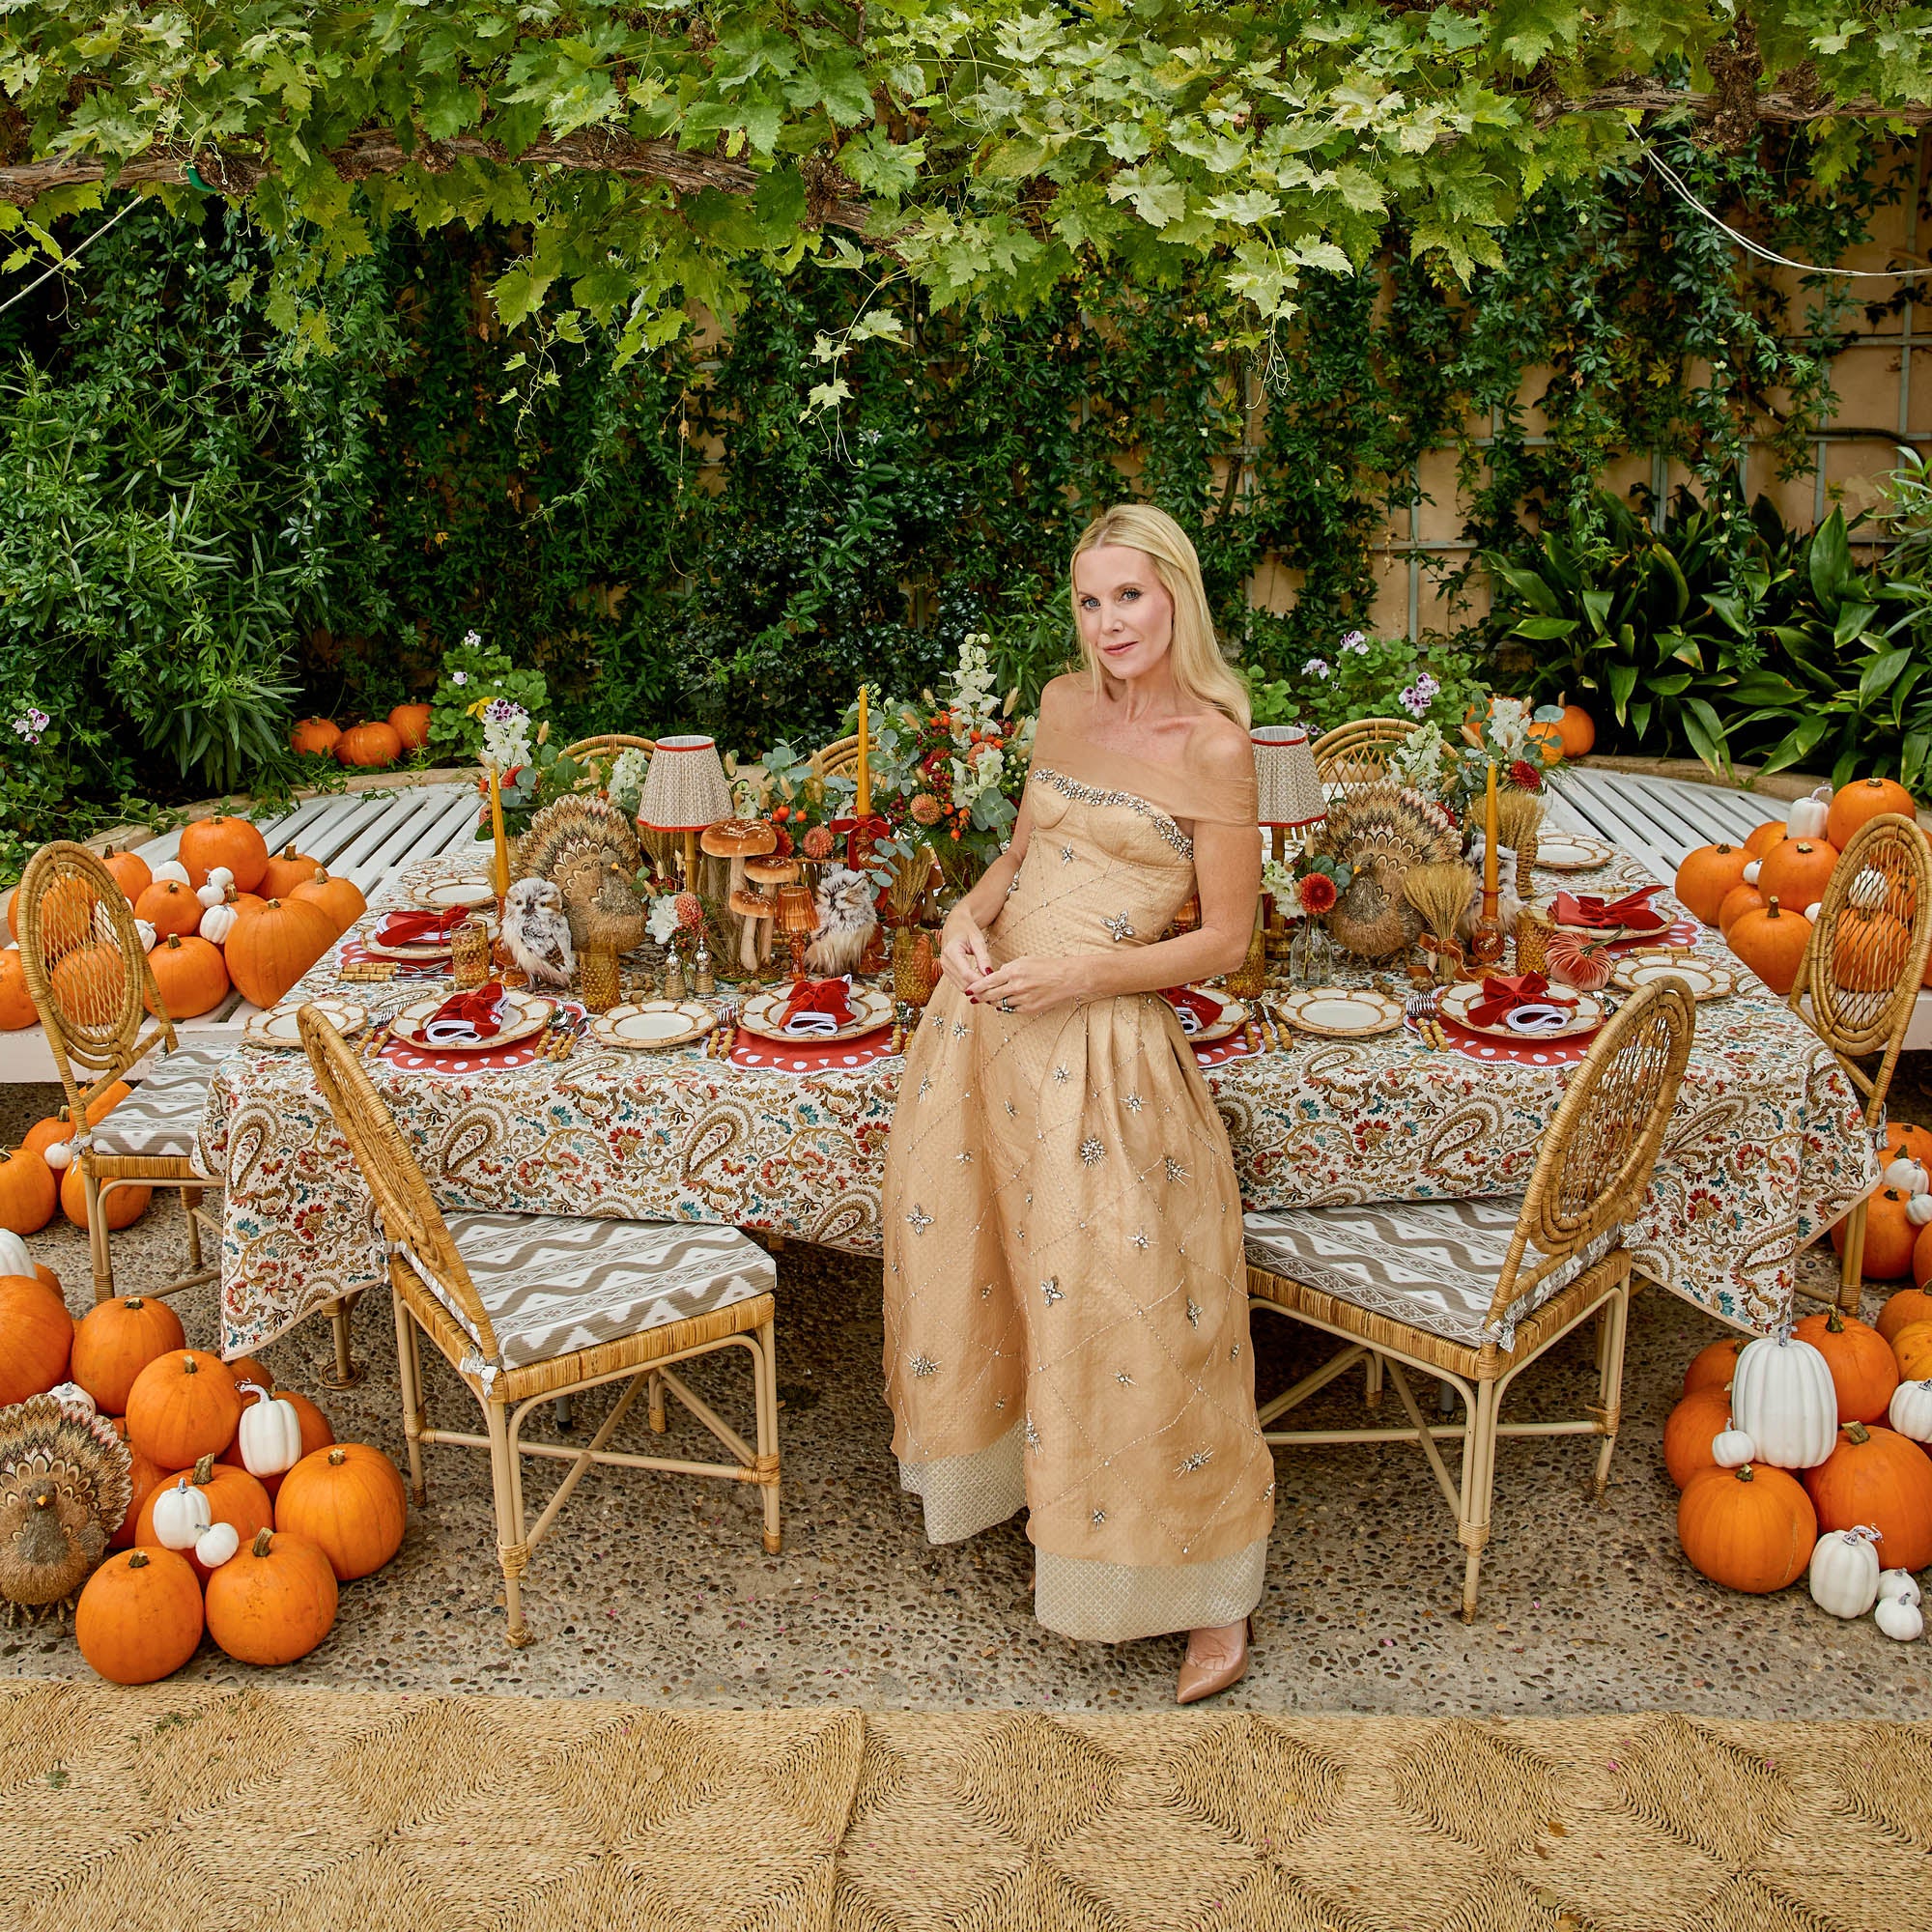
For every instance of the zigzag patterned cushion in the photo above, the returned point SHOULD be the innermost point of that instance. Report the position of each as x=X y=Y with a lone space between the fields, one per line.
x=554 y=1283
x=1431 y=1264
x=163 y=1113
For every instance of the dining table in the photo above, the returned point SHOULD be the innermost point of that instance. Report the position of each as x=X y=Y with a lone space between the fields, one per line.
x=1766 y=1149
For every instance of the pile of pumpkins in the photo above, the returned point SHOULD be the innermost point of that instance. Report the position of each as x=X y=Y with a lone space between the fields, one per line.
x=247 y=1512
x=369 y=747
x=1764 y=894
x=39 y=1177
x=226 y=911
x=1801 y=1454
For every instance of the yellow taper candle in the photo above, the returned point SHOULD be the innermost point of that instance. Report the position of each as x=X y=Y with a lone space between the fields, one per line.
x=496 y=831
x=864 y=800
x=1489 y=833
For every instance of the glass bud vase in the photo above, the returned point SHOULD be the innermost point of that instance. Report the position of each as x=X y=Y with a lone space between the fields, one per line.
x=915 y=965
x=597 y=977
x=1312 y=960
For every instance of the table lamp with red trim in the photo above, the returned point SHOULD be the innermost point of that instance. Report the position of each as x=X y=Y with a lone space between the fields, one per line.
x=685 y=790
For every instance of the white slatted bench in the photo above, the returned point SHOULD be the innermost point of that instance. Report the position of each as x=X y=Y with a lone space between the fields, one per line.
x=362 y=835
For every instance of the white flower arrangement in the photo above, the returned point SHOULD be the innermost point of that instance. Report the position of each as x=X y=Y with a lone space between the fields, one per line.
x=1420 y=760
x=506 y=735
x=661 y=921
x=627 y=778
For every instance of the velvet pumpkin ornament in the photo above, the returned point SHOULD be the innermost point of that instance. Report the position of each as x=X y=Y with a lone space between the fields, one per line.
x=1751 y=1528
x=139 y=1618
x=115 y=1340
x=1876 y=1476
x=183 y=1407
x=273 y=1601
x=225 y=840
x=348 y=1500
x=271 y=948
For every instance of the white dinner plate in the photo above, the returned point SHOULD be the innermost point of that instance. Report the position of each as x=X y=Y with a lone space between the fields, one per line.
x=1341 y=1012
x=455 y=889
x=277 y=1026
x=1707 y=980
x=1230 y=1020
x=649 y=1024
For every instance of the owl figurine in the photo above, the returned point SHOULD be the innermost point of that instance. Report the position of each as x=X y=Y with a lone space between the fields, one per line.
x=847 y=918
x=537 y=933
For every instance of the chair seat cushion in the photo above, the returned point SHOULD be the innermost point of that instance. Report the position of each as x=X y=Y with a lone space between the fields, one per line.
x=554 y=1283
x=163 y=1115
x=1433 y=1264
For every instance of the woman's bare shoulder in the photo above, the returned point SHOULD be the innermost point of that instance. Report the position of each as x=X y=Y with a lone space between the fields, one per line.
x=1219 y=747
x=1060 y=696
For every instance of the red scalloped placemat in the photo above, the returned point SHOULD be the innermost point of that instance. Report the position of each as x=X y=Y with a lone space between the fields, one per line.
x=480 y=1060
x=1234 y=1047
x=837 y=1055
x=1518 y=1053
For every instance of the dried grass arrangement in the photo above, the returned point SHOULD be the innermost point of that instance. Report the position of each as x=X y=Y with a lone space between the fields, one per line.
x=1519 y=819
x=1440 y=894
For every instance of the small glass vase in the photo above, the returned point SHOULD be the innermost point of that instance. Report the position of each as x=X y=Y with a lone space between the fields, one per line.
x=1249 y=979
x=470 y=954
x=915 y=964
x=1311 y=957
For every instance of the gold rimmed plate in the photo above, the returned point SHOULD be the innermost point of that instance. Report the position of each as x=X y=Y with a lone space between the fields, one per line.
x=647 y=1026
x=522 y=1014
x=871 y=1009
x=1705 y=979
x=1545 y=1020
x=1340 y=1012
x=1229 y=1021
x=455 y=889
x=1570 y=852
x=277 y=1027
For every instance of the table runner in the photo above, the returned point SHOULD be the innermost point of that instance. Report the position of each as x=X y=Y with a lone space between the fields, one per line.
x=1765 y=1148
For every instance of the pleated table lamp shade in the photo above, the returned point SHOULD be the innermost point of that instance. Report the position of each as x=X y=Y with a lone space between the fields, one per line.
x=685 y=790
x=1285 y=775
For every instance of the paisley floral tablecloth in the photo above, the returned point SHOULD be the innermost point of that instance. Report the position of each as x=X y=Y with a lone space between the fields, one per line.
x=1765 y=1149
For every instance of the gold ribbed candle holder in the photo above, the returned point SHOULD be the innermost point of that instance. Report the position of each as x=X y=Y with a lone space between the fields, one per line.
x=1532 y=941
x=597 y=977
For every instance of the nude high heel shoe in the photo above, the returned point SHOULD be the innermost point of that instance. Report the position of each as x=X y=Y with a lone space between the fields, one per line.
x=1203 y=1679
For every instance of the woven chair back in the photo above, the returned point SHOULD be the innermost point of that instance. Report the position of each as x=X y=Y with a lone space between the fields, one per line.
x=1866 y=954
x=86 y=971
x=837 y=759
x=601 y=750
x=408 y=1212
x=1359 y=752
x=1595 y=1161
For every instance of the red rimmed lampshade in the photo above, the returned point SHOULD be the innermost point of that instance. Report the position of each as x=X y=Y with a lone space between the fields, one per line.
x=1289 y=786
x=685 y=790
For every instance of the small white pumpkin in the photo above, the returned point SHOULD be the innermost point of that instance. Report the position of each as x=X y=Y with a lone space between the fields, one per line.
x=1908 y=1176
x=1732 y=1449
x=270 y=1433
x=220 y=877
x=145 y=934
x=1902 y=1622
x=218 y=922
x=1844 y=1571
x=58 y=1156
x=13 y=1256
x=1910 y=1410
x=1869 y=890
x=181 y=1515
x=1918 y=1208
x=170 y=869
x=1898 y=1586
x=1815 y=911
x=217 y=1543
x=1809 y=815
x=212 y=894
x=1751 y=873
x=70 y=1395
x=1782 y=1398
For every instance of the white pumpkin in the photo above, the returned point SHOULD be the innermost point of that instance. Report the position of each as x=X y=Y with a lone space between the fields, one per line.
x=170 y=869
x=218 y=922
x=1918 y=1209
x=1902 y=1622
x=58 y=1156
x=1782 y=1398
x=1910 y=1410
x=70 y=1395
x=1815 y=911
x=1869 y=891
x=181 y=1515
x=220 y=877
x=13 y=1256
x=1751 y=873
x=1897 y=1585
x=217 y=1543
x=1909 y=1177
x=270 y=1433
x=1809 y=815
x=1732 y=1449
x=1844 y=1571
x=212 y=894
x=145 y=934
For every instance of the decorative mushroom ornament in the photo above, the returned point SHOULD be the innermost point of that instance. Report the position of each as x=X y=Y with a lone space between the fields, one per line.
x=1782 y=1398
x=1899 y=1620
x=1844 y=1571
x=1897 y=1584
x=270 y=1433
x=182 y=1515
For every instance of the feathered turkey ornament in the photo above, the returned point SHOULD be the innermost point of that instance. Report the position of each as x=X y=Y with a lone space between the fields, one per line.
x=65 y=1486
x=537 y=933
x=589 y=850
x=1380 y=830
x=847 y=918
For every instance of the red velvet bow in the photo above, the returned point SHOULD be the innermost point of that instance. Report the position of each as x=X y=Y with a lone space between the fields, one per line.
x=1633 y=911
x=819 y=996
x=478 y=1009
x=1185 y=999
x=420 y=929
x=1504 y=995
x=861 y=835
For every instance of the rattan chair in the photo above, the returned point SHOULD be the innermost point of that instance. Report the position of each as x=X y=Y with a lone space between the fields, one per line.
x=1860 y=975
x=97 y=998
x=528 y=1308
x=601 y=751
x=1473 y=1291
x=1359 y=752
x=840 y=759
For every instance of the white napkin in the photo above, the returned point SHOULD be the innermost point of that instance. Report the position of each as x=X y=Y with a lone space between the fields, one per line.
x=1190 y=1020
x=459 y=1033
x=811 y=1026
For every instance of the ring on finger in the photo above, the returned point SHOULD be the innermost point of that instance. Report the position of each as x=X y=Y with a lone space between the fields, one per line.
x=1006 y=1005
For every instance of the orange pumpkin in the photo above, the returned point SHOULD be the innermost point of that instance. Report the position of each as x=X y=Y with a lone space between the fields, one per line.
x=1688 y=1434
x=43 y=1133
x=1751 y=1528
x=233 y=1495
x=271 y=948
x=1772 y=944
x=1706 y=875
x=1762 y=838
x=129 y=871
x=1548 y=737
x=370 y=746
x=246 y=1369
x=1900 y=1310
x=314 y=736
x=169 y=907
x=1908 y=1143
x=139 y=1618
x=183 y=1407
x=122 y=1206
x=410 y=724
x=287 y=869
x=1864 y=1372
x=1852 y=804
x=16 y=1004
x=273 y=1601
x=1579 y=729
x=29 y=1194
x=225 y=840
x=1878 y=1476
x=115 y=1340
x=1889 y=1235
x=316 y=1433
x=1739 y=900
x=35 y=1338
x=1869 y=950
x=89 y=983
x=67 y=911
x=189 y=975
x=1912 y=1347
x=1713 y=1366
x=348 y=1500
x=146 y=1476
x=339 y=898
x=1797 y=871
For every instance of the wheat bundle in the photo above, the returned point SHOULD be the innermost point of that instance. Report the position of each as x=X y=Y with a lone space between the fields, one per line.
x=1519 y=817
x=1439 y=893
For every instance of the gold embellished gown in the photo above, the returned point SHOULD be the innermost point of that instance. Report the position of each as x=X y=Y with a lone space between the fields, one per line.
x=1065 y=1303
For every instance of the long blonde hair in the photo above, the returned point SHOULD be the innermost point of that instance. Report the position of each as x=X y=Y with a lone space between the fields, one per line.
x=1199 y=670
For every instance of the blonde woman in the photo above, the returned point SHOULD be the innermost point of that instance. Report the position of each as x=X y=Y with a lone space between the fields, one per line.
x=1067 y=1316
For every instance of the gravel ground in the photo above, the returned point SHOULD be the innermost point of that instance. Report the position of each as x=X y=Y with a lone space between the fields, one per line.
x=659 y=1589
